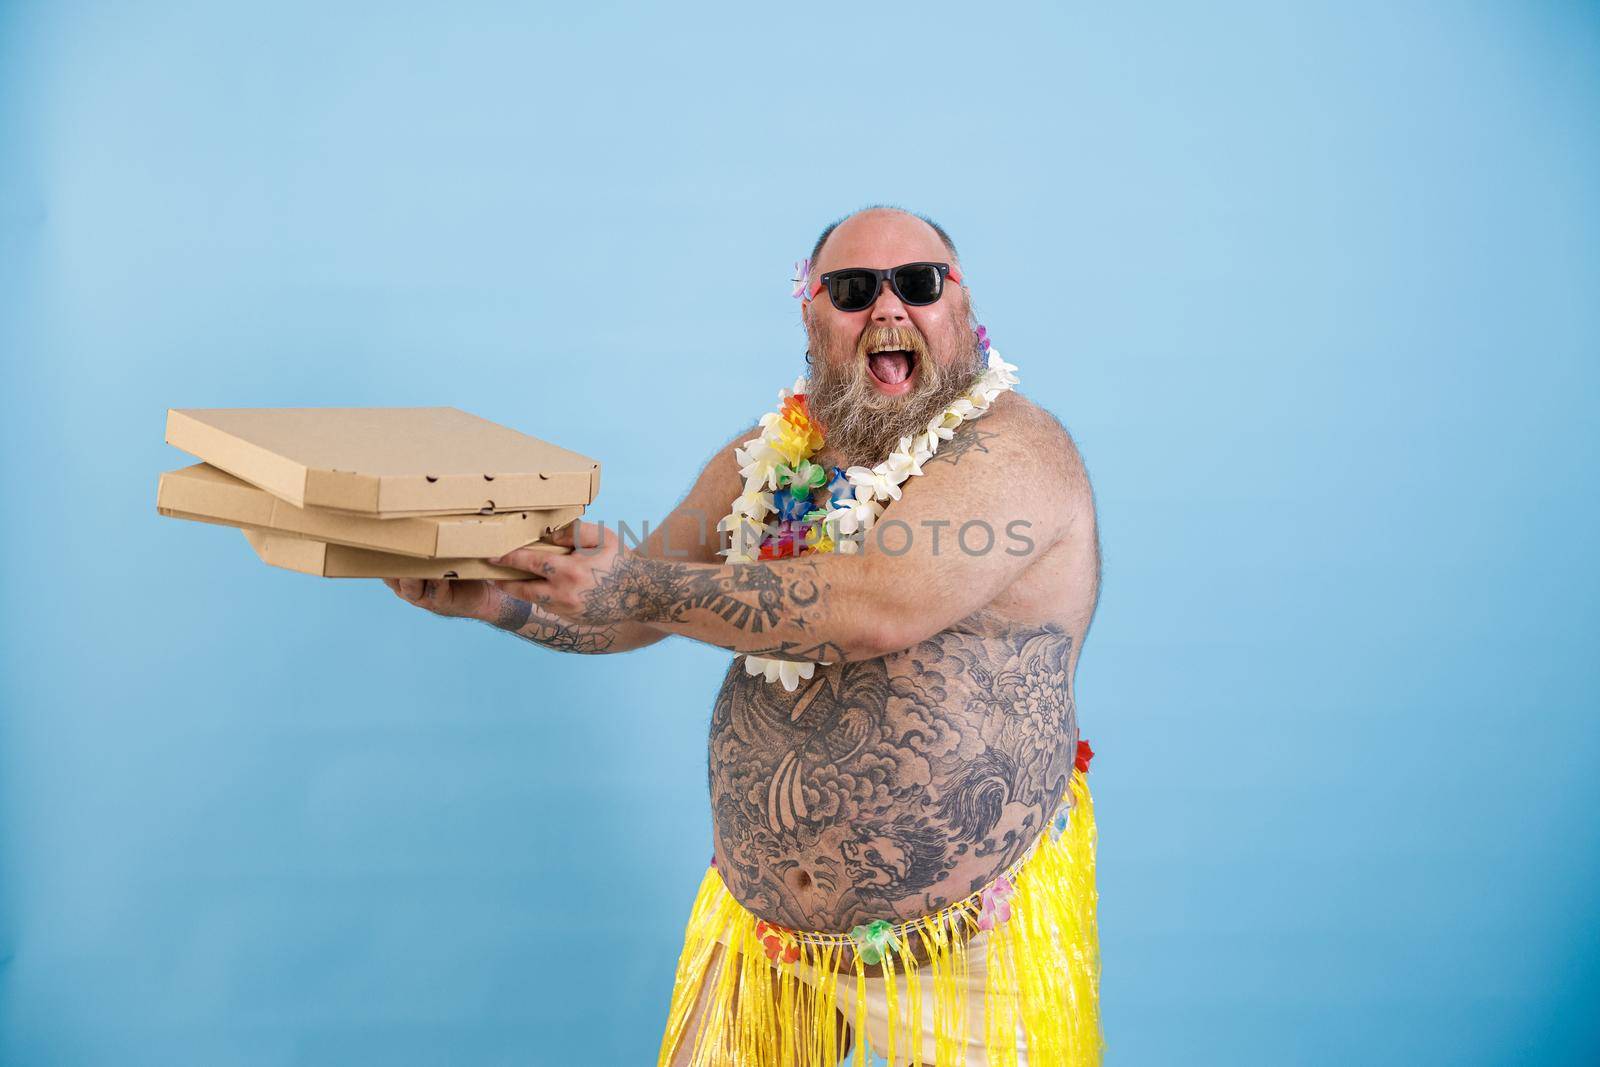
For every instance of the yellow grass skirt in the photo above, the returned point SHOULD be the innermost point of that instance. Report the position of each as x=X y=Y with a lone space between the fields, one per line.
x=774 y=1003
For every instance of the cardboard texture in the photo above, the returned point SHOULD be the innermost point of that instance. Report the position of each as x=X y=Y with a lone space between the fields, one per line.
x=386 y=462
x=205 y=494
x=341 y=561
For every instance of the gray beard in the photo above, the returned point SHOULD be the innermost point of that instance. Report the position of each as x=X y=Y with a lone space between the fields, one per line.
x=860 y=425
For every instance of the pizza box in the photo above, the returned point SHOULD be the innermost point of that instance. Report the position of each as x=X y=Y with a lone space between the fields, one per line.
x=205 y=494
x=341 y=561
x=386 y=462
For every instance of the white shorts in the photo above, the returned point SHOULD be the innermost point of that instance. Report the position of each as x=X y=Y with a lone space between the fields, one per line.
x=877 y=1004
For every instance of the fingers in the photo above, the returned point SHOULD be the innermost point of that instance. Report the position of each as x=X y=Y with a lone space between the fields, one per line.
x=536 y=591
x=424 y=592
x=527 y=559
x=579 y=534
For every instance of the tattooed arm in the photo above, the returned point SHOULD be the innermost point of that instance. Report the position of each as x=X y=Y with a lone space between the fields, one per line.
x=687 y=534
x=987 y=506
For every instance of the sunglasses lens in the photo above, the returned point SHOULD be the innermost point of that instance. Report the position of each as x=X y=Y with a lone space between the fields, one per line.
x=852 y=290
x=918 y=283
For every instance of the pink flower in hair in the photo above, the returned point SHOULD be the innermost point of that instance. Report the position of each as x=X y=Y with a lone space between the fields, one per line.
x=802 y=277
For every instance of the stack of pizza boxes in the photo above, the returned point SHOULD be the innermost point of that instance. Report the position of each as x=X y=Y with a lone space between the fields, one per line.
x=375 y=492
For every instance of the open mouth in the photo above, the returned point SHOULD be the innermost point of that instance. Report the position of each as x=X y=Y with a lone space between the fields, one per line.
x=893 y=366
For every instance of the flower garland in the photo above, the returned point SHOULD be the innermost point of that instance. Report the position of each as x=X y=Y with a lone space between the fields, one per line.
x=779 y=478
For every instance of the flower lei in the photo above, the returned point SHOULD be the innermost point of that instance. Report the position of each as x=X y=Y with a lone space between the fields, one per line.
x=779 y=478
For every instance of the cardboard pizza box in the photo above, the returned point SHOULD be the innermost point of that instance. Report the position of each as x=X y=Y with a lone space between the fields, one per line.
x=205 y=494
x=386 y=461
x=341 y=561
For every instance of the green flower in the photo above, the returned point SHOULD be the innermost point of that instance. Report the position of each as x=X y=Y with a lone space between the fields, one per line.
x=808 y=476
x=872 y=940
x=802 y=478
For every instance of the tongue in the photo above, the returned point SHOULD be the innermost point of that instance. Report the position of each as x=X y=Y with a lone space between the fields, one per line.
x=890 y=368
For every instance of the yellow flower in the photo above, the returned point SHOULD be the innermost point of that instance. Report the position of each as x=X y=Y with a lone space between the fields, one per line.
x=792 y=443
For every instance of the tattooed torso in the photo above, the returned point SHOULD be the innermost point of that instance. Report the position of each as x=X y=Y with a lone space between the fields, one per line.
x=890 y=787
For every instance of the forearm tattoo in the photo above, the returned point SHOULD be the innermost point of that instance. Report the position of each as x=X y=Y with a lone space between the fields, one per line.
x=517 y=617
x=891 y=787
x=753 y=598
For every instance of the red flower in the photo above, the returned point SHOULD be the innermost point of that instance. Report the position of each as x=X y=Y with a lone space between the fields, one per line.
x=777 y=943
x=776 y=548
x=1085 y=754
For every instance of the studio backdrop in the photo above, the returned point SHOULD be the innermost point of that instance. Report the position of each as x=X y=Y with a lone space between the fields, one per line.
x=1312 y=285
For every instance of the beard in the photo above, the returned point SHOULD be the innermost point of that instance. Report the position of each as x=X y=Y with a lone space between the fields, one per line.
x=862 y=425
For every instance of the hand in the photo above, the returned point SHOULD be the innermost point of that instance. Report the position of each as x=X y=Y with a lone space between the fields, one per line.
x=562 y=584
x=453 y=598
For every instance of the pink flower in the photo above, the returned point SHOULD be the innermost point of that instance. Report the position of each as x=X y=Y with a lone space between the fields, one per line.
x=802 y=276
x=996 y=907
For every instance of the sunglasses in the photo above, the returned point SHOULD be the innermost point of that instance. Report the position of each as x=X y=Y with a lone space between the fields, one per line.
x=857 y=288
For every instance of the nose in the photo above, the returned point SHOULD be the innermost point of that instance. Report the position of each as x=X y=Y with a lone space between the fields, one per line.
x=888 y=308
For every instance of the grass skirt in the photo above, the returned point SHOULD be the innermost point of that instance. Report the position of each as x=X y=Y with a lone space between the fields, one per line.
x=773 y=1004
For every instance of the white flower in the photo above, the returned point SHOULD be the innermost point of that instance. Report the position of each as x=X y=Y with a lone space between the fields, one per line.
x=757 y=506
x=901 y=464
x=852 y=516
x=874 y=484
x=758 y=462
x=924 y=445
x=744 y=533
x=786 y=671
x=1007 y=371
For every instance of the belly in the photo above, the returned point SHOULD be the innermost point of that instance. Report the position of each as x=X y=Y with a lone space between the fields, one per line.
x=889 y=788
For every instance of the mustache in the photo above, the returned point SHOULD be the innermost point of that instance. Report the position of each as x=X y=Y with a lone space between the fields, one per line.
x=906 y=338
x=863 y=426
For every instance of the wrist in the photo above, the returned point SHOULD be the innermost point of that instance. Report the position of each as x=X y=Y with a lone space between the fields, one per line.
x=501 y=609
x=621 y=591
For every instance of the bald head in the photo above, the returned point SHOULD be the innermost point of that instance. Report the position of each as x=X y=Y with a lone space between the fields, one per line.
x=882 y=215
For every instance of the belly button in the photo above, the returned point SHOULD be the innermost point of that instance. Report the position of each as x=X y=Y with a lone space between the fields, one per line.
x=798 y=879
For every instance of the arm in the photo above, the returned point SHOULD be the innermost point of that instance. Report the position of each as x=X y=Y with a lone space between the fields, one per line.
x=681 y=536
x=456 y=598
x=987 y=506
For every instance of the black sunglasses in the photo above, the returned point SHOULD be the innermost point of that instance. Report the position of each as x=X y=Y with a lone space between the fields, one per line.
x=856 y=288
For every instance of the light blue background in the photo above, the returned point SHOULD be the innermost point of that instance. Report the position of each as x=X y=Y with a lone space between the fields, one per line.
x=1314 y=287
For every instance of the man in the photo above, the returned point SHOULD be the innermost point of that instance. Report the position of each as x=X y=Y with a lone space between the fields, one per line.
x=903 y=808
